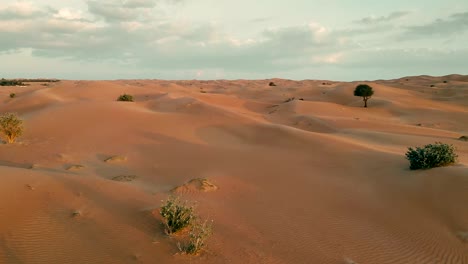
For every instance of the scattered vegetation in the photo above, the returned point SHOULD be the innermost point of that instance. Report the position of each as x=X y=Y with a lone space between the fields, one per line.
x=289 y=99
x=364 y=91
x=463 y=138
x=40 y=80
x=445 y=82
x=431 y=155
x=199 y=233
x=177 y=215
x=11 y=126
x=12 y=95
x=271 y=84
x=124 y=178
x=5 y=82
x=125 y=98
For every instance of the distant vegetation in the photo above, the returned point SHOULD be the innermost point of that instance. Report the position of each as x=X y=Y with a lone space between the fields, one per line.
x=22 y=82
x=12 y=95
x=364 y=91
x=431 y=156
x=4 y=82
x=272 y=84
x=125 y=98
x=11 y=127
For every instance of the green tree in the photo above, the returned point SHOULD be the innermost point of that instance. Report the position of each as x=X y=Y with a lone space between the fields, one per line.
x=364 y=91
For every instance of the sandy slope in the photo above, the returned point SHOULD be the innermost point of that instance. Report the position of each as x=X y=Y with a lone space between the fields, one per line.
x=318 y=180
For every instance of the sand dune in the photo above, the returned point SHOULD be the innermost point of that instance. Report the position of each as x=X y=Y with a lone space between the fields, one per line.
x=303 y=173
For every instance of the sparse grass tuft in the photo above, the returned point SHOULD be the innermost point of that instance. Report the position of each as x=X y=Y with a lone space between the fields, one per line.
x=177 y=214
x=199 y=233
x=431 y=155
x=11 y=126
x=125 y=98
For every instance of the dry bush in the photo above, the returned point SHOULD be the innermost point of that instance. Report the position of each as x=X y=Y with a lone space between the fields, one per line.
x=176 y=214
x=199 y=233
x=11 y=126
x=125 y=98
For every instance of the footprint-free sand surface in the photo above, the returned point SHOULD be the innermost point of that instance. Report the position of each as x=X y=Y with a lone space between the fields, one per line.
x=314 y=179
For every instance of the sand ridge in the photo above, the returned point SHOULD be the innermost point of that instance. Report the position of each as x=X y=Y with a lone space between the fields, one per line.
x=314 y=179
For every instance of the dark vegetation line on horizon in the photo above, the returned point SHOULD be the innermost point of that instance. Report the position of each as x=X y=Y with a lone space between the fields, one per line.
x=237 y=79
x=22 y=82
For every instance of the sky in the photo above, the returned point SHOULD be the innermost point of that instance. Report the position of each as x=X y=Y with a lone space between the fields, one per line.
x=341 y=40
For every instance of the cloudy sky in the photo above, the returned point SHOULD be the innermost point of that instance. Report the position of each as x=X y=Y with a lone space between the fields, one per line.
x=225 y=39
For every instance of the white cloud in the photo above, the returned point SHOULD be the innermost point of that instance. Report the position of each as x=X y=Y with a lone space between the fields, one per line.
x=19 y=9
x=140 y=33
x=68 y=14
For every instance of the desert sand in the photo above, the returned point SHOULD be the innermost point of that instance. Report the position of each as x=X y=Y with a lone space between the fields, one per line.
x=316 y=179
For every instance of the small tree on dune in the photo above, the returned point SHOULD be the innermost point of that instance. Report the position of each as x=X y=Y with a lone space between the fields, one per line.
x=364 y=91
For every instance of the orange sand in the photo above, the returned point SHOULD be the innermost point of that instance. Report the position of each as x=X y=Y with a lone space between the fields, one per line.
x=319 y=180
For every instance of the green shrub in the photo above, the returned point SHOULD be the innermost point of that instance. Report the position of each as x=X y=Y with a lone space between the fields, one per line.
x=125 y=98
x=12 y=95
x=430 y=156
x=11 y=126
x=199 y=233
x=176 y=214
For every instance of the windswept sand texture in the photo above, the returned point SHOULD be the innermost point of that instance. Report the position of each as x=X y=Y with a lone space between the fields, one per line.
x=319 y=180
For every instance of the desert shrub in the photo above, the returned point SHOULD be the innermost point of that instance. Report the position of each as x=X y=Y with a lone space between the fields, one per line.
x=12 y=95
x=11 y=126
x=199 y=233
x=431 y=155
x=272 y=84
x=125 y=98
x=463 y=138
x=176 y=214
